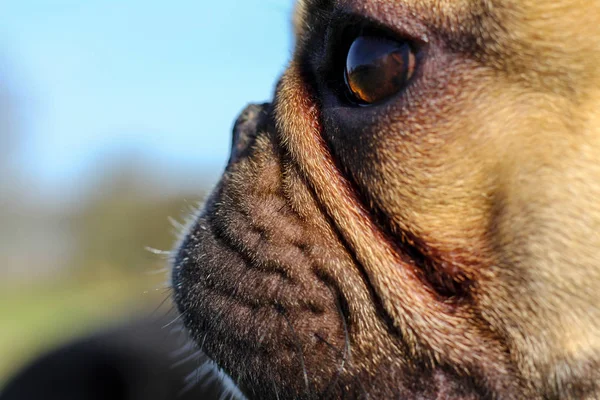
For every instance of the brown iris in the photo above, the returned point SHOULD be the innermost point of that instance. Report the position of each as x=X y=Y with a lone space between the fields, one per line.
x=377 y=68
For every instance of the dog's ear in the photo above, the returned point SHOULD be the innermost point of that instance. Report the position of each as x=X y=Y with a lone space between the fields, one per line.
x=137 y=361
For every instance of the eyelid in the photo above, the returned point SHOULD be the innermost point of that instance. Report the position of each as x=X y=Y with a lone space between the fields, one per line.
x=343 y=27
x=400 y=27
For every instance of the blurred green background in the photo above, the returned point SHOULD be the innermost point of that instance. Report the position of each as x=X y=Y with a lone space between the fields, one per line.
x=73 y=269
x=115 y=121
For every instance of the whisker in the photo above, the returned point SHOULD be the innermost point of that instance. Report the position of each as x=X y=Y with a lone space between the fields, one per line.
x=346 y=350
x=180 y=227
x=161 y=304
x=331 y=347
x=178 y=329
x=194 y=378
x=194 y=356
x=158 y=271
x=157 y=252
x=177 y=318
x=198 y=366
x=203 y=340
x=298 y=348
x=275 y=388
x=168 y=312
x=185 y=348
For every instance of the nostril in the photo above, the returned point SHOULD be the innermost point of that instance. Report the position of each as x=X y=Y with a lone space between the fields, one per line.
x=246 y=127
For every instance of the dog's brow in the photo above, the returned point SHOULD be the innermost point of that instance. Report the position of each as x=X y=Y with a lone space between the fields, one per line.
x=308 y=12
x=317 y=4
x=307 y=8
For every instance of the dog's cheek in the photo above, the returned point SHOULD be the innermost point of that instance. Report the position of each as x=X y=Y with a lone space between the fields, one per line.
x=419 y=159
x=495 y=171
x=525 y=181
x=542 y=230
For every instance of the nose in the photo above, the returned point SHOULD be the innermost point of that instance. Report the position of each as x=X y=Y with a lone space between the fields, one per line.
x=252 y=119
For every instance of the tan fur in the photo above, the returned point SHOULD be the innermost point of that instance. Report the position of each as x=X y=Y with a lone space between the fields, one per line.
x=490 y=169
x=528 y=143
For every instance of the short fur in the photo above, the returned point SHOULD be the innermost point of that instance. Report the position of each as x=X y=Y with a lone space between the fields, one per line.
x=444 y=244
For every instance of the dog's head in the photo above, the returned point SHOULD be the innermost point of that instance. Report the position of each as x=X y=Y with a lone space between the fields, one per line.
x=417 y=214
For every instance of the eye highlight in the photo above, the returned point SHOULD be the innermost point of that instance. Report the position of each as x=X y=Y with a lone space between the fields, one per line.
x=377 y=68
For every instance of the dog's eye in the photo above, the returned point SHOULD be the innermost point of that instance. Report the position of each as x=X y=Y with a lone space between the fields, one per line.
x=377 y=68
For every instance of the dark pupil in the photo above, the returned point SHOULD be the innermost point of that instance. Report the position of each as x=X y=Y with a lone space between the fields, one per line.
x=377 y=68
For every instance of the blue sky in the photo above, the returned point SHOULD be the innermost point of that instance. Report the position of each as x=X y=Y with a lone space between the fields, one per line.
x=165 y=79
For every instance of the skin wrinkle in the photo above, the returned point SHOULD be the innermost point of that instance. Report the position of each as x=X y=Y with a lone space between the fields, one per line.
x=326 y=258
x=560 y=111
x=426 y=316
x=483 y=171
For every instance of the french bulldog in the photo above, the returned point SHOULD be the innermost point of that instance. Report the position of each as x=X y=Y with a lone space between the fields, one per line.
x=416 y=215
